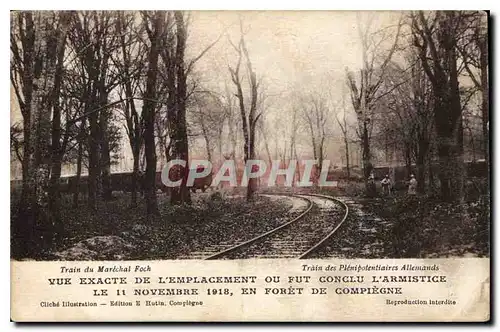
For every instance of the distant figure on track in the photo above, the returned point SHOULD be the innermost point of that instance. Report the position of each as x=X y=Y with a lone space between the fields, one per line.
x=412 y=188
x=372 y=188
x=386 y=185
x=141 y=183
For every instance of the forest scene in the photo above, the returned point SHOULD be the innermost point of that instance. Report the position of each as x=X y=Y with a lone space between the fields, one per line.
x=391 y=107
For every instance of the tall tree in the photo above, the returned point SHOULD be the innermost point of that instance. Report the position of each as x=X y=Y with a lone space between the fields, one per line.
x=177 y=72
x=365 y=89
x=57 y=146
x=93 y=39
x=249 y=120
x=344 y=128
x=293 y=139
x=37 y=48
x=407 y=113
x=474 y=51
x=209 y=116
x=436 y=35
x=422 y=107
x=176 y=80
x=154 y=24
x=130 y=65
x=316 y=114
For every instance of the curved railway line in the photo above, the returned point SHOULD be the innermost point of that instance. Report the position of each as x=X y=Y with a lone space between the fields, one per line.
x=297 y=238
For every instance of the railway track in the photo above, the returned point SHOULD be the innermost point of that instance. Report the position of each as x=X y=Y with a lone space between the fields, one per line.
x=297 y=238
x=300 y=207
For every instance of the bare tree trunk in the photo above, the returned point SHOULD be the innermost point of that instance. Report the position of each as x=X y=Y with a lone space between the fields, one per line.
x=93 y=143
x=29 y=54
x=131 y=115
x=321 y=153
x=135 y=178
x=57 y=150
x=136 y=154
x=485 y=97
x=266 y=145
x=232 y=130
x=93 y=40
x=176 y=113
x=148 y=112
x=233 y=136
x=39 y=217
x=219 y=141
x=204 y=131
x=93 y=138
x=473 y=146
x=458 y=169
x=105 y=158
x=346 y=142
x=76 y=188
x=343 y=129
x=431 y=171
x=248 y=124
x=252 y=183
x=407 y=154
x=293 y=143
x=142 y=159
x=363 y=94
x=27 y=150
x=365 y=148
x=296 y=158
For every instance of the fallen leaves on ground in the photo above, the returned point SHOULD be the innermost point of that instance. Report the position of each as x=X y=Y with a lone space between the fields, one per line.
x=117 y=232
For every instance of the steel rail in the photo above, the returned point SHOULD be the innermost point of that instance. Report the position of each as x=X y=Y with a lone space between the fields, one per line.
x=238 y=246
x=317 y=245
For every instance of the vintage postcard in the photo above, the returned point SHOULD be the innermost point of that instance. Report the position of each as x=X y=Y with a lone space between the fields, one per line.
x=250 y=166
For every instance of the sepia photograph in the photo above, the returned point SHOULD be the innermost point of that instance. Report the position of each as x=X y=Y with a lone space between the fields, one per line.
x=236 y=135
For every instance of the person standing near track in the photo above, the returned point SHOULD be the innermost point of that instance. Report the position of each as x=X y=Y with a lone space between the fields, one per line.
x=386 y=185
x=412 y=188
